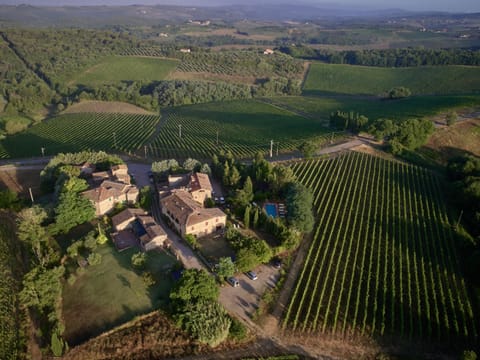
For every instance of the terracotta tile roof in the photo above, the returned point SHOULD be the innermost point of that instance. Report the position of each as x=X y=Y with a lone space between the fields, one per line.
x=200 y=181
x=98 y=194
x=125 y=215
x=182 y=207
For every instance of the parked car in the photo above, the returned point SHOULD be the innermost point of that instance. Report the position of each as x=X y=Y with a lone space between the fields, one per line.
x=252 y=275
x=277 y=263
x=233 y=281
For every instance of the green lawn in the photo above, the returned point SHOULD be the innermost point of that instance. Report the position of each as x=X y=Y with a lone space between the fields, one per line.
x=414 y=107
x=118 y=68
x=111 y=293
x=364 y=80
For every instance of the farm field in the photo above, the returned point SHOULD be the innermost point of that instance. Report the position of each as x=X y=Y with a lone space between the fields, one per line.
x=111 y=293
x=320 y=108
x=10 y=336
x=244 y=128
x=382 y=260
x=364 y=80
x=76 y=132
x=95 y=106
x=119 y=68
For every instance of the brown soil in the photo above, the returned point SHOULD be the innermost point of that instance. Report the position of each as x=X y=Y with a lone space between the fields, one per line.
x=179 y=75
x=448 y=142
x=105 y=107
x=19 y=180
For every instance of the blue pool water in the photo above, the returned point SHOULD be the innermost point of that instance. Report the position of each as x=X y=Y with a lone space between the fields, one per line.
x=271 y=210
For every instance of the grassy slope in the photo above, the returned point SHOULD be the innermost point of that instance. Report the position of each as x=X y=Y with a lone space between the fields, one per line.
x=364 y=80
x=416 y=106
x=118 y=68
x=112 y=293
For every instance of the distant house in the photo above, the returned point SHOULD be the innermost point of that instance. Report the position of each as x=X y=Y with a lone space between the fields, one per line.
x=120 y=173
x=268 y=52
x=185 y=50
x=142 y=226
x=109 y=193
x=187 y=216
x=87 y=169
x=200 y=187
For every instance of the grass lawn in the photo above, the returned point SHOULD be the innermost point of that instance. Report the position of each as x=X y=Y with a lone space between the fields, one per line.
x=111 y=293
x=118 y=68
x=413 y=107
x=213 y=248
x=365 y=80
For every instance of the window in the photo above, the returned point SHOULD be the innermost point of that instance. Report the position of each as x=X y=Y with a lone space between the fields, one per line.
x=216 y=220
x=193 y=228
x=206 y=223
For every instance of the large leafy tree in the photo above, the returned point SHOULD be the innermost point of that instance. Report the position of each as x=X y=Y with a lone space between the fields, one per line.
x=299 y=207
x=31 y=231
x=194 y=285
x=73 y=209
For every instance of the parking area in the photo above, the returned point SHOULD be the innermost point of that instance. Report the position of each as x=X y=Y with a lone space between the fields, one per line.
x=244 y=299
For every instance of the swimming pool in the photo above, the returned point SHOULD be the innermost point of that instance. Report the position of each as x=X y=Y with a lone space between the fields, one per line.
x=271 y=209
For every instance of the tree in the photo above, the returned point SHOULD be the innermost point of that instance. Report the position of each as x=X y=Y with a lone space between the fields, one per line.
x=94 y=259
x=191 y=164
x=226 y=267
x=101 y=237
x=194 y=286
x=451 y=118
x=255 y=218
x=57 y=344
x=145 y=198
x=308 y=148
x=299 y=201
x=398 y=92
x=8 y=199
x=42 y=290
x=30 y=230
x=205 y=320
x=469 y=355
x=244 y=196
x=205 y=169
x=281 y=176
x=246 y=260
x=139 y=260
x=246 y=217
x=73 y=209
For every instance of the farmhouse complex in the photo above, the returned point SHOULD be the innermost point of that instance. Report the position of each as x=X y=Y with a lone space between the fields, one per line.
x=185 y=211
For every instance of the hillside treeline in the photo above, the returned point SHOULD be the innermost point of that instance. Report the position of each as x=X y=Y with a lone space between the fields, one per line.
x=388 y=57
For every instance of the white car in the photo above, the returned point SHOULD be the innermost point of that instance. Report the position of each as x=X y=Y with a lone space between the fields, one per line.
x=233 y=281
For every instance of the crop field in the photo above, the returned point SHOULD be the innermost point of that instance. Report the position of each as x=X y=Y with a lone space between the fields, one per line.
x=413 y=107
x=76 y=132
x=244 y=128
x=118 y=68
x=10 y=340
x=364 y=80
x=382 y=259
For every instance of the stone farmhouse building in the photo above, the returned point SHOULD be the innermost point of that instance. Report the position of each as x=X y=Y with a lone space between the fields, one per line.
x=188 y=216
x=200 y=187
x=136 y=223
x=109 y=188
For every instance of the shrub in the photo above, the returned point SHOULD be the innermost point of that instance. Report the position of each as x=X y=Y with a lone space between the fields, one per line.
x=139 y=260
x=94 y=259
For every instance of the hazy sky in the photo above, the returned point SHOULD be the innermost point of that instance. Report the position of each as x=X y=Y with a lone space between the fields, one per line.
x=439 y=5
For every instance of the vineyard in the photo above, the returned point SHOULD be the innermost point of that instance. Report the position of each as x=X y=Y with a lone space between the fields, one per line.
x=75 y=132
x=10 y=338
x=412 y=107
x=382 y=259
x=366 y=80
x=243 y=127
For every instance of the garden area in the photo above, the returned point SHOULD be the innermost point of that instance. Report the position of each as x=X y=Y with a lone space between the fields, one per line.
x=113 y=292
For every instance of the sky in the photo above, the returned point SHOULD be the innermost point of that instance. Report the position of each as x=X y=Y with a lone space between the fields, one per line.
x=416 y=5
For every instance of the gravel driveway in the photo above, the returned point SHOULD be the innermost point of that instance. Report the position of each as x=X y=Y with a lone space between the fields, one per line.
x=243 y=300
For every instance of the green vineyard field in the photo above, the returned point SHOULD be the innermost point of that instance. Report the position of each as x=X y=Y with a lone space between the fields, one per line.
x=382 y=260
x=76 y=132
x=365 y=80
x=244 y=128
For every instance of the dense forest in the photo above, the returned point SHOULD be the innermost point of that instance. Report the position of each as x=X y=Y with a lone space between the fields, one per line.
x=388 y=57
